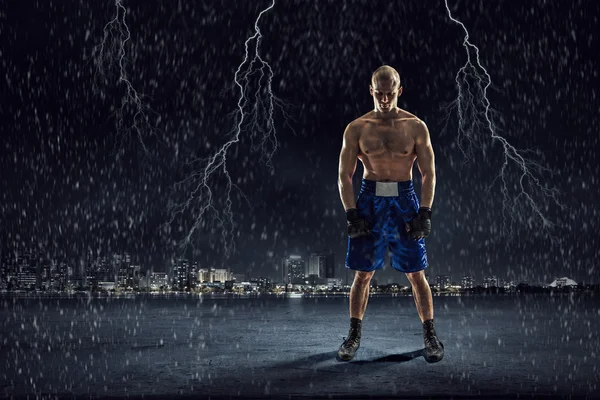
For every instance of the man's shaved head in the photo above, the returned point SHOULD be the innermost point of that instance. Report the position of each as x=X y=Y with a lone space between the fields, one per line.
x=385 y=73
x=385 y=89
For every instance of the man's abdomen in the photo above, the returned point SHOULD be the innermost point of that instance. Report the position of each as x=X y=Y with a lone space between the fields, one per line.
x=394 y=169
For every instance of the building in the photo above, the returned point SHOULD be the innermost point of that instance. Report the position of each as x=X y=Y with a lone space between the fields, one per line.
x=60 y=276
x=334 y=283
x=26 y=270
x=263 y=284
x=219 y=275
x=193 y=275
x=294 y=270
x=8 y=271
x=133 y=276
x=239 y=277
x=315 y=280
x=46 y=275
x=90 y=271
x=490 y=281
x=203 y=275
x=563 y=282
x=215 y=275
x=322 y=265
x=442 y=281
x=120 y=265
x=104 y=269
x=159 y=281
x=181 y=274
x=509 y=285
x=467 y=282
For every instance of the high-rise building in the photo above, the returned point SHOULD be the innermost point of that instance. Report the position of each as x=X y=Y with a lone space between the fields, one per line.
x=159 y=280
x=46 y=275
x=442 y=281
x=181 y=274
x=26 y=270
x=322 y=264
x=91 y=271
x=262 y=283
x=118 y=276
x=203 y=275
x=294 y=269
x=123 y=274
x=60 y=275
x=104 y=270
x=194 y=274
x=509 y=285
x=8 y=271
x=133 y=276
x=215 y=275
x=220 y=275
x=490 y=281
x=467 y=282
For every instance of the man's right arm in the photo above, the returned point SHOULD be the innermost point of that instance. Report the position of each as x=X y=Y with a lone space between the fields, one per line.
x=347 y=166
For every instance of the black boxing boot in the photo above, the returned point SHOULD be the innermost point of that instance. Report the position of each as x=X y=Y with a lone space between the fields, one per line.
x=348 y=349
x=434 y=349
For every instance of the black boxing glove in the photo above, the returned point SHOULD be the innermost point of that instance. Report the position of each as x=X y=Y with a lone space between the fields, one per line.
x=420 y=226
x=357 y=226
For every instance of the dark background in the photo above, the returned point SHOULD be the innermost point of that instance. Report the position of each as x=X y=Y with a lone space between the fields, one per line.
x=69 y=181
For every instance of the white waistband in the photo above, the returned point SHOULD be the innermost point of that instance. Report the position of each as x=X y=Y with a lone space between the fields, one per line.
x=386 y=189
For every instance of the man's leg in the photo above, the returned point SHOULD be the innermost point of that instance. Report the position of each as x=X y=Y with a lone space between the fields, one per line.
x=359 y=296
x=434 y=349
x=359 y=293
x=422 y=294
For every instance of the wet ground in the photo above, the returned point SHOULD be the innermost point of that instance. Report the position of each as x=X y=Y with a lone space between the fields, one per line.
x=274 y=347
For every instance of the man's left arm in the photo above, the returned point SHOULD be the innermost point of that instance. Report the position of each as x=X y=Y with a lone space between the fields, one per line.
x=425 y=162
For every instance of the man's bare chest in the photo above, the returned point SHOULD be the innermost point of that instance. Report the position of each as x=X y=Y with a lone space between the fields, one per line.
x=386 y=140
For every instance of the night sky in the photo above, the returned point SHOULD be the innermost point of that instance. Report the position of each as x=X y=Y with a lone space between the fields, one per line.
x=71 y=180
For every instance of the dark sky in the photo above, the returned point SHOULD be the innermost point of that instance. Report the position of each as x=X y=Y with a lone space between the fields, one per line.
x=70 y=180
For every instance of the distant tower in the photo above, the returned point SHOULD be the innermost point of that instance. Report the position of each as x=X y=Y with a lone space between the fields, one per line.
x=294 y=269
x=490 y=281
x=467 y=282
x=442 y=281
x=322 y=264
x=180 y=274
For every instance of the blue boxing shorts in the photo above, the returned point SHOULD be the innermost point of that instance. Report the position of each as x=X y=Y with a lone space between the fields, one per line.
x=387 y=207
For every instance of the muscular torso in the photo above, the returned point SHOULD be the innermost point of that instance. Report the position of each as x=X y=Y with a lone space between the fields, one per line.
x=386 y=146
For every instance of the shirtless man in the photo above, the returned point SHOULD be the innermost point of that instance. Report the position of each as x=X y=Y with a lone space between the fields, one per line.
x=386 y=214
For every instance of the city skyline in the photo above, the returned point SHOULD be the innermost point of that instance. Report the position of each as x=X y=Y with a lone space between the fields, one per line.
x=121 y=269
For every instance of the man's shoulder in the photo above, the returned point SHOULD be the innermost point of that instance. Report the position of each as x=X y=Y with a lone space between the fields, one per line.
x=371 y=117
x=356 y=125
x=417 y=129
x=363 y=119
x=414 y=123
x=408 y=117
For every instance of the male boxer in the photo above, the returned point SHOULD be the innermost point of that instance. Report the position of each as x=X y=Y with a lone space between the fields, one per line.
x=387 y=216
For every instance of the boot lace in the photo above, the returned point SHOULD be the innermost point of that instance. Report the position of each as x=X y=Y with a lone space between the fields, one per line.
x=431 y=340
x=352 y=339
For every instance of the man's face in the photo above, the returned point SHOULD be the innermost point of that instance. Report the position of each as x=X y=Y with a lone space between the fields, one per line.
x=385 y=94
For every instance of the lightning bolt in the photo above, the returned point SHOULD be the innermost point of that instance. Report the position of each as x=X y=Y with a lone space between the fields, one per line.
x=110 y=54
x=474 y=115
x=254 y=113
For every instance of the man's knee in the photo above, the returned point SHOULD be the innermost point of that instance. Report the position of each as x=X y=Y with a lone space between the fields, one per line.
x=416 y=278
x=363 y=278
